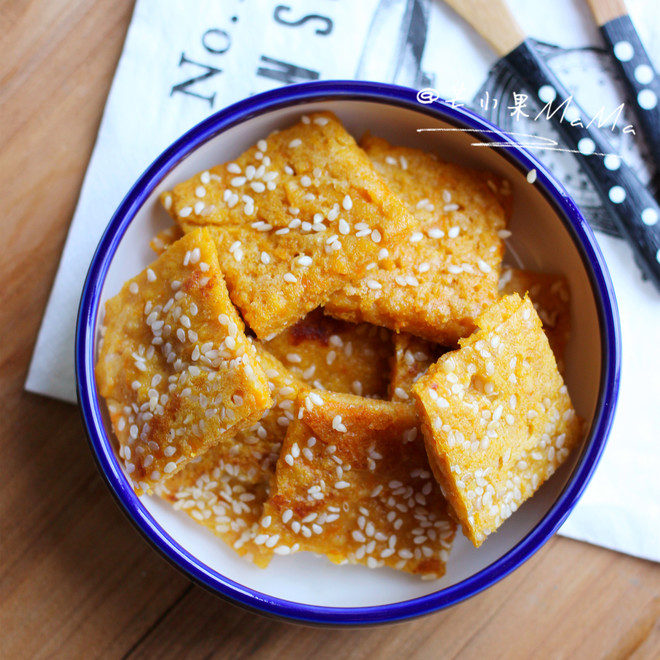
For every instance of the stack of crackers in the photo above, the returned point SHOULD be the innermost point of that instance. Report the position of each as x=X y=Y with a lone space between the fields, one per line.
x=327 y=354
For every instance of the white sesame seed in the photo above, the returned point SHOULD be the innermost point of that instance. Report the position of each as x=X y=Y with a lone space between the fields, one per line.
x=185 y=211
x=337 y=424
x=416 y=236
x=305 y=181
x=347 y=203
x=289 y=277
x=373 y=284
x=133 y=287
x=321 y=121
x=483 y=266
x=295 y=143
x=376 y=236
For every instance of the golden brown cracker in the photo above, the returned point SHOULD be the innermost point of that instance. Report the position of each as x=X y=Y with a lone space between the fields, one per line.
x=353 y=482
x=226 y=488
x=497 y=417
x=438 y=280
x=174 y=365
x=550 y=295
x=411 y=358
x=163 y=239
x=294 y=218
x=336 y=355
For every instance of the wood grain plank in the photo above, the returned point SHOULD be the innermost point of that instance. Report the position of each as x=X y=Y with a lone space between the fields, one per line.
x=74 y=577
x=539 y=611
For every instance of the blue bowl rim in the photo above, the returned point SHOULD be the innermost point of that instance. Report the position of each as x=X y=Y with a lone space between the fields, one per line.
x=102 y=446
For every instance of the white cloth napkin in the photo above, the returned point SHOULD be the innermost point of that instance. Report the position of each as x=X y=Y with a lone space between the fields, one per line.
x=182 y=61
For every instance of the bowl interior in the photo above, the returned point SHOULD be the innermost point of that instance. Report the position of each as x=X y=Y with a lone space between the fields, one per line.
x=540 y=240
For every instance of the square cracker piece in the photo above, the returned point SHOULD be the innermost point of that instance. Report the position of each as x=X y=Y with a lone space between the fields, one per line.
x=550 y=295
x=438 y=280
x=336 y=355
x=294 y=218
x=353 y=482
x=497 y=418
x=177 y=372
x=225 y=489
x=412 y=357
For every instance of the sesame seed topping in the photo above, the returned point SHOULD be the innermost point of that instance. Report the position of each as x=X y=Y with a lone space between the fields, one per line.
x=337 y=424
x=483 y=266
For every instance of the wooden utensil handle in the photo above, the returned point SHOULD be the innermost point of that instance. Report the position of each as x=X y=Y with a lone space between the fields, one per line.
x=630 y=204
x=640 y=78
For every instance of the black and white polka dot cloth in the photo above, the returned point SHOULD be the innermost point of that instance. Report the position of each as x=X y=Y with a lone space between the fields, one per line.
x=630 y=204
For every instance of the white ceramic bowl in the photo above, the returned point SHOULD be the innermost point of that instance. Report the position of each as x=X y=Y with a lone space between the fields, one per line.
x=548 y=234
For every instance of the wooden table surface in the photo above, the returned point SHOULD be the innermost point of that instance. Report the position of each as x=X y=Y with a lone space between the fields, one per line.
x=76 y=580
